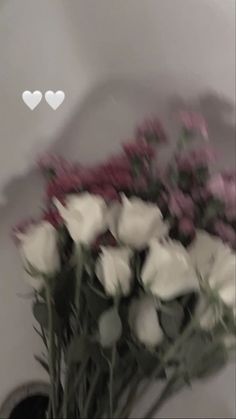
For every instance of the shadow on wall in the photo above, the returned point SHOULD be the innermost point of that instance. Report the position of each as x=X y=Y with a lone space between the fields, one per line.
x=107 y=117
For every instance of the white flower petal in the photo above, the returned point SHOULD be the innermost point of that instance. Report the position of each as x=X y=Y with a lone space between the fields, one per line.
x=38 y=248
x=114 y=271
x=85 y=216
x=167 y=271
x=217 y=264
x=136 y=222
x=110 y=327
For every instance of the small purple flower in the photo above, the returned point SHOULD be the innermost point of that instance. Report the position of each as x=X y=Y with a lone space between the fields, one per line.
x=139 y=148
x=193 y=122
x=199 y=193
x=107 y=192
x=186 y=227
x=191 y=160
x=223 y=188
x=152 y=130
x=181 y=204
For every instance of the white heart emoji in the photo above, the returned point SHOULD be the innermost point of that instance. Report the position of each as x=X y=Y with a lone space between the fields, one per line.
x=54 y=99
x=32 y=100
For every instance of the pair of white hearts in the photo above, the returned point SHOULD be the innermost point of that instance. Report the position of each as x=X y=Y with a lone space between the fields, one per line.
x=33 y=99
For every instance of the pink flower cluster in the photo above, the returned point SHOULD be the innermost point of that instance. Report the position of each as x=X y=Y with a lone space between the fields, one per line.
x=196 y=158
x=106 y=179
x=223 y=187
x=64 y=183
x=186 y=227
x=139 y=148
x=152 y=130
x=181 y=205
x=183 y=199
x=53 y=217
x=193 y=122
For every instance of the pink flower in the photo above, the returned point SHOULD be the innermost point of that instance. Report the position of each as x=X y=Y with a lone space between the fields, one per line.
x=194 y=122
x=152 y=130
x=216 y=186
x=181 y=204
x=225 y=232
x=64 y=184
x=229 y=175
x=53 y=217
x=199 y=193
x=186 y=227
x=223 y=187
x=106 y=239
x=107 y=192
x=118 y=162
x=196 y=158
x=139 y=148
x=119 y=179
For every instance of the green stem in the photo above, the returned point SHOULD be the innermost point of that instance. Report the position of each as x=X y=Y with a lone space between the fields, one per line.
x=170 y=353
x=79 y=274
x=111 y=383
x=165 y=394
x=91 y=392
x=65 y=398
x=69 y=393
x=51 y=349
x=58 y=381
x=125 y=412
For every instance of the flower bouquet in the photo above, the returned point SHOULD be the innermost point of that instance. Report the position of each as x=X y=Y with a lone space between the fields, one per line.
x=133 y=270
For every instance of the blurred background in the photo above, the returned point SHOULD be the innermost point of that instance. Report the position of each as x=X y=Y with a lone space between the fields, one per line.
x=117 y=62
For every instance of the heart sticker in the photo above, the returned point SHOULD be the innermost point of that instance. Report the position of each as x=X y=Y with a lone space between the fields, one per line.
x=32 y=100
x=54 y=99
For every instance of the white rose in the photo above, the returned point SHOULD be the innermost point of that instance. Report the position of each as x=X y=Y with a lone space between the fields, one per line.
x=38 y=248
x=167 y=271
x=110 y=327
x=203 y=251
x=135 y=222
x=84 y=216
x=144 y=323
x=114 y=271
x=216 y=264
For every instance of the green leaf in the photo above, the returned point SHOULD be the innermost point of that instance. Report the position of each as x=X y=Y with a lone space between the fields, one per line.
x=147 y=361
x=193 y=351
x=171 y=319
x=96 y=304
x=97 y=357
x=110 y=327
x=40 y=313
x=63 y=293
x=212 y=362
x=79 y=350
x=201 y=356
x=42 y=362
x=213 y=209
